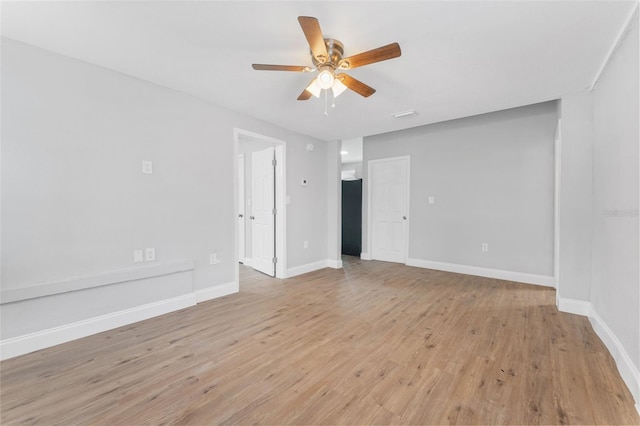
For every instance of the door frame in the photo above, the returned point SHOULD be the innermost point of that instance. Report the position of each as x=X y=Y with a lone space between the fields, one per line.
x=407 y=223
x=281 y=190
x=557 y=154
x=241 y=220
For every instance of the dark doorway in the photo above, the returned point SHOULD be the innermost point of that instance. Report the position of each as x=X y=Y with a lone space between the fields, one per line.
x=352 y=217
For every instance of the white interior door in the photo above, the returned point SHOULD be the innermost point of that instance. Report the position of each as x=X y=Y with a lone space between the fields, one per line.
x=262 y=211
x=241 y=210
x=388 y=198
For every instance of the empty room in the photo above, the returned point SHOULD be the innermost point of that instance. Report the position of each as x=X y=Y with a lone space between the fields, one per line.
x=319 y=212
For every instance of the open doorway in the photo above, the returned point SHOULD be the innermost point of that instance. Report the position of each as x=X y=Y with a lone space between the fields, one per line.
x=259 y=185
x=351 y=159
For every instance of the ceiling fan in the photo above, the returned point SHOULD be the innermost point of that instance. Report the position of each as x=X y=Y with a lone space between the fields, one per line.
x=326 y=56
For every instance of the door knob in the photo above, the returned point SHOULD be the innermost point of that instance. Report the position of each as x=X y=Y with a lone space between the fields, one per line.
x=251 y=217
x=240 y=215
x=404 y=218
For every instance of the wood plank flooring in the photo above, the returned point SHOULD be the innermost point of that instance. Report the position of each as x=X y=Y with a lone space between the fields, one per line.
x=374 y=343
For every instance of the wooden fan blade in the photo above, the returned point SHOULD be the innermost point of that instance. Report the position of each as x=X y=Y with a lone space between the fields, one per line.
x=383 y=53
x=305 y=95
x=265 y=67
x=313 y=33
x=356 y=85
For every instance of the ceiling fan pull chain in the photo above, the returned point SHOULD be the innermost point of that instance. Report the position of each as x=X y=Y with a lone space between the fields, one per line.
x=333 y=99
x=325 y=103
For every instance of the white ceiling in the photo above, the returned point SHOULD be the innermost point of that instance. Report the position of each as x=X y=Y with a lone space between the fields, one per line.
x=458 y=58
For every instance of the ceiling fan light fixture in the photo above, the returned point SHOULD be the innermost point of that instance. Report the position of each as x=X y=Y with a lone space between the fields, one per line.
x=314 y=88
x=338 y=87
x=325 y=79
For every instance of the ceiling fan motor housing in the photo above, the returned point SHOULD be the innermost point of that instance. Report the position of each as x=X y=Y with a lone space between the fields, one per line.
x=335 y=51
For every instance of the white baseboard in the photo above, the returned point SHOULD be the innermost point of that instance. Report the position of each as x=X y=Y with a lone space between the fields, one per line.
x=27 y=343
x=571 y=306
x=248 y=261
x=522 y=277
x=216 y=291
x=21 y=345
x=628 y=371
x=335 y=264
x=365 y=256
x=309 y=267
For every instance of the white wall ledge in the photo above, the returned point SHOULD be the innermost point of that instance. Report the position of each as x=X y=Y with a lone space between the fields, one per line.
x=11 y=295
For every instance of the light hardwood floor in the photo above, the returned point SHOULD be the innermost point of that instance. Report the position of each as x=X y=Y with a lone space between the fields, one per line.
x=374 y=343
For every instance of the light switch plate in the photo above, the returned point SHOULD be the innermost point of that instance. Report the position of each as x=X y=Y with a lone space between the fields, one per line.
x=137 y=256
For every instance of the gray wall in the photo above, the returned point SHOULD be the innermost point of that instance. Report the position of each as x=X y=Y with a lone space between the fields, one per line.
x=576 y=196
x=615 y=281
x=74 y=200
x=492 y=177
x=354 y=167
x=307 y=212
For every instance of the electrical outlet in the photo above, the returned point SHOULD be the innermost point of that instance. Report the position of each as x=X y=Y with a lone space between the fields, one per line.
x=432 y=200
x=150 y=254
x=306 y=244
x=147 y=167
x=137 y=256
x=485 y=247
x=213 y=259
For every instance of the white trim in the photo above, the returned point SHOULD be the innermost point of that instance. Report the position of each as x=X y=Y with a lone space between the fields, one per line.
x=572 y=306
x=27 y=343
x=557 y=157
x=309 y=267
x=248 y=261
x=335 y=264
x=628 y=371
x=90 y=281
x=365 y=256
x=281 y=191
x=214 y=292
x=407 y=206
x=281 y=207
x=236 y=209
x=619 y=39
x=521 y=277
x=242 y=245
x=21 y=345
